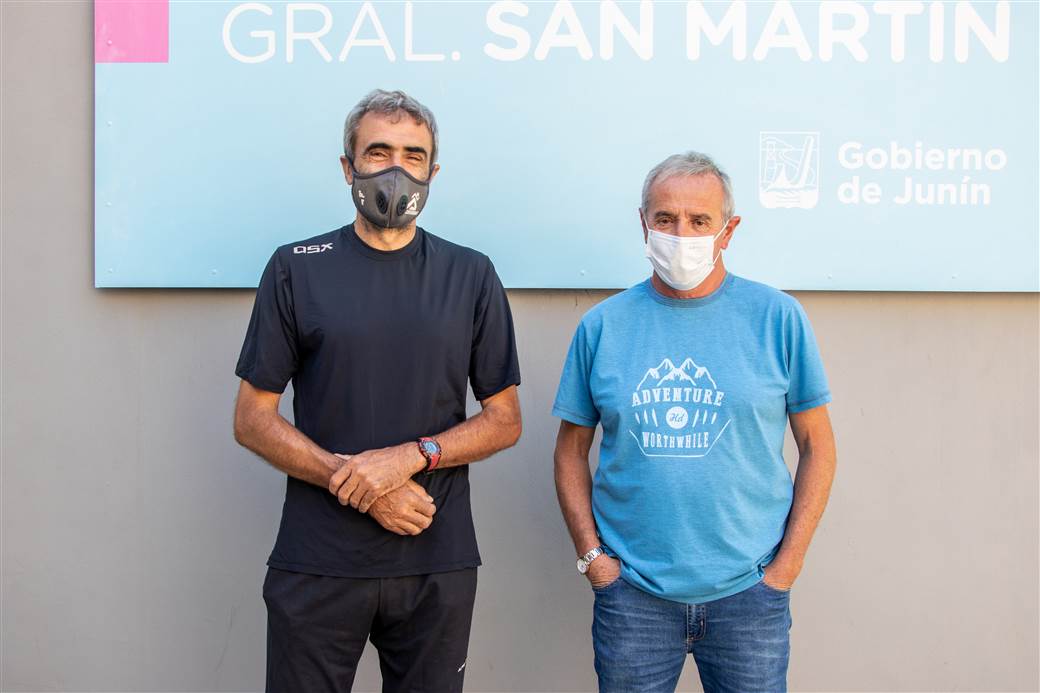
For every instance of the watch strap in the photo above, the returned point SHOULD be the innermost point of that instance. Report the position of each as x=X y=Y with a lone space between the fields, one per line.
x=592 y=554
x=584 y=561
x=432 y=458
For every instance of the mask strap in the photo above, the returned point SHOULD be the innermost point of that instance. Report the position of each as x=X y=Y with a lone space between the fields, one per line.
x=721 y=231
x=646 y=227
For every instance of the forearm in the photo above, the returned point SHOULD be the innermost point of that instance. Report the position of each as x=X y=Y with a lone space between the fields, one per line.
x=371 y=474
x=574 y=491
x=281 y=444
x=478 y=437
x=812 y=487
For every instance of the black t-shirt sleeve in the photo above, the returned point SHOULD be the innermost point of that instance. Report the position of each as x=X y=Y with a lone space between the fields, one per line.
x=269 y=353
x=493 y=364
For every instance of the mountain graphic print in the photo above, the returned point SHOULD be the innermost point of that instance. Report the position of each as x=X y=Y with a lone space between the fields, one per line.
x=677 y=411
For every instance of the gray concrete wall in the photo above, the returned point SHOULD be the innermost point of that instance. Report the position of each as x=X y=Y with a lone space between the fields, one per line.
x=134 y=530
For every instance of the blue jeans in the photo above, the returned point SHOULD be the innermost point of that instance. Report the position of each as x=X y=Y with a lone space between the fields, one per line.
x=740 y=643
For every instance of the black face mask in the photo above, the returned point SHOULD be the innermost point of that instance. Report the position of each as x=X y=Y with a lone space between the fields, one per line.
x=391 y=198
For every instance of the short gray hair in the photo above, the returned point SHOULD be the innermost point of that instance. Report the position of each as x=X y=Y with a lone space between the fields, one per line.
x=690 y=164
x=387 y=103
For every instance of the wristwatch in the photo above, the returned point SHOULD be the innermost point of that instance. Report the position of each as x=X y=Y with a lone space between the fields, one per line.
x=431 y=450
x=583 y=561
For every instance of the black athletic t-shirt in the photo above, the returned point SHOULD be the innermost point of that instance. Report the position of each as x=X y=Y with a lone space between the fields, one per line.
x=379 y=346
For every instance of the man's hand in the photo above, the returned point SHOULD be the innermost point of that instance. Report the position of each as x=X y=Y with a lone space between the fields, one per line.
x=405 y=510
x=780 y=576
x=603 y=570
x=365 y=477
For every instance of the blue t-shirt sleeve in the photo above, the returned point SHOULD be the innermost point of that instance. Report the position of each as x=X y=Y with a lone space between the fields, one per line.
x=807 y=384
x=574 y=396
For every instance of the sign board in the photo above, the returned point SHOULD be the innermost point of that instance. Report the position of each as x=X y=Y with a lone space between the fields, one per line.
x=872 y=145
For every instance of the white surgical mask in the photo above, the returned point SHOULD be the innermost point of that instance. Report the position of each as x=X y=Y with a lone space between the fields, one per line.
x=682 y=262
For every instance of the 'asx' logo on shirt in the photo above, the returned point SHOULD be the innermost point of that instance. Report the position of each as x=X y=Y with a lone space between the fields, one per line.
x=308 y=249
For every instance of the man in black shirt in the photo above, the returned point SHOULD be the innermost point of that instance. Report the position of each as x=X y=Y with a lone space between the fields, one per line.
x=379 y=325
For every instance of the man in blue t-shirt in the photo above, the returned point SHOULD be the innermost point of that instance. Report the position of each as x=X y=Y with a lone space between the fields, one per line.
x=692 y=531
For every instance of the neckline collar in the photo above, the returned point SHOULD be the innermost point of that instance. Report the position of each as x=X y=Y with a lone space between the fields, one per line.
x=687 y=303
x=383 y=255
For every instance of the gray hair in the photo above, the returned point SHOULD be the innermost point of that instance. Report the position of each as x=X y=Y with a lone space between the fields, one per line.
x=689 y=164
x=387 y=103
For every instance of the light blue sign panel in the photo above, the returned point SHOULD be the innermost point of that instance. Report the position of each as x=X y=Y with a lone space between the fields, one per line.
x=873 y=146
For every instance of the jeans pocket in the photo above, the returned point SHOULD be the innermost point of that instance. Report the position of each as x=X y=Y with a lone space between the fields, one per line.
x=775 y=590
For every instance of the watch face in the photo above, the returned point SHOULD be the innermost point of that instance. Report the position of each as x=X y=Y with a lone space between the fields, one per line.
x=430 y=447
x=583 y=567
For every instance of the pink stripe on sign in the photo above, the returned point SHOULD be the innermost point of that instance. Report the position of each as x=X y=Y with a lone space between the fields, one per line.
x=131 y=31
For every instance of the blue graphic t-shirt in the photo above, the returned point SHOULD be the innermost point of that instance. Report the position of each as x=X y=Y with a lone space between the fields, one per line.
x=692 y=493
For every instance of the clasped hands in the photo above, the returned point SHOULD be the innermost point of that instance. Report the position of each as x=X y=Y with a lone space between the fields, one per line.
x=379 y=482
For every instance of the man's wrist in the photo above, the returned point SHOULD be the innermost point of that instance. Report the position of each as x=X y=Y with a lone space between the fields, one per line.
x=785 y=565
x=416 y=460
x=588 y=545
x=586 y=560
x=430 y=450
x=332 y=464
